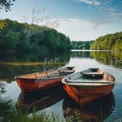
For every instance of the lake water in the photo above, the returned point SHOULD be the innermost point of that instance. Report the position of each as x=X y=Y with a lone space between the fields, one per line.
x=107 y=109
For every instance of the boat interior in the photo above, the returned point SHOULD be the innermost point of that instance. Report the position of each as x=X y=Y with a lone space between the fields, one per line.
x=48 y=74
x=94 y=77
x=93 y=71
x=40 y=75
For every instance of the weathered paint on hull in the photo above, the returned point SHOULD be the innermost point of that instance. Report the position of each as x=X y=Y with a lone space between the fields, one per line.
x=37 y=84
x=43 y=80
x=87 y=94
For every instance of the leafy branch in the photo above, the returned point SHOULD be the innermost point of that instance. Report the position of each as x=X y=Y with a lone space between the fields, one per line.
x=6 y=4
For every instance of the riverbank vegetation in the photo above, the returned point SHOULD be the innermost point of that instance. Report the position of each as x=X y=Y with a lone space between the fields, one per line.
x=108 y=42
x=82 y=45
x=18 y=37
x=9 y=114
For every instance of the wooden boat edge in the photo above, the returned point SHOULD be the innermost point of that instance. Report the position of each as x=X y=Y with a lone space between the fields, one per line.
x=79 y=83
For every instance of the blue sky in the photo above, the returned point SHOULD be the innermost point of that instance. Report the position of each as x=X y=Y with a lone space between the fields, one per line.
x=79 y=19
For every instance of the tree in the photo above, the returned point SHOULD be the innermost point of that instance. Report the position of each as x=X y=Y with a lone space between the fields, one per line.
x=6 y=4
x=108 y=42
x=21 y=37
x=2 y=24
x=81 y=44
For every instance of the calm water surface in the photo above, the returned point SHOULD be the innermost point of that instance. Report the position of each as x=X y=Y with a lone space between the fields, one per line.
x=108 y=108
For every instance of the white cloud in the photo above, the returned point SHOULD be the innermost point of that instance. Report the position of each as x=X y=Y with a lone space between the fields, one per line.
x=83 y=30
x=112 y=17
x=77 y=29
x=91 y=2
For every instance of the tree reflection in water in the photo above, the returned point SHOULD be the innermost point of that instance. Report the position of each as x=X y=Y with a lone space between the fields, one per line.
x=19 y=64
x=113 y=58
x=95 y=111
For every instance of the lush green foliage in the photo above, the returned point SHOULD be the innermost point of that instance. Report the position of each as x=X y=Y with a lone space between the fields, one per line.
x=81 y=44
x=108 y=42
x=2 y=24
x=21 y=37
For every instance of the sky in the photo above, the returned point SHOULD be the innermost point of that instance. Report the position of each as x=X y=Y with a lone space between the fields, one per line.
x=80 y=20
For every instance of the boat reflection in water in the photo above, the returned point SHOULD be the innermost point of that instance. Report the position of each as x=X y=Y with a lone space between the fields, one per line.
x=38 y=100
x=95 y=111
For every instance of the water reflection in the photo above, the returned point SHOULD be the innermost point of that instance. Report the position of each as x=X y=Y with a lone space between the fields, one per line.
x=14 y=65
x=95 y=111
x=83 y=54
x=113 y=58
x=33 y=57
x=18 y=64
x=38 y=100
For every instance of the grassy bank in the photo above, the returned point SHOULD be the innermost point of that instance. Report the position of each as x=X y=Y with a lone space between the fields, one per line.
x=8 y=113
x=42 y=117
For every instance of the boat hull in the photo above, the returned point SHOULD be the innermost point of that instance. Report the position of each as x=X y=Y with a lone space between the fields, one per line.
x=88 y=85
x=43 y=80
x=87 y=94
x=37 y=84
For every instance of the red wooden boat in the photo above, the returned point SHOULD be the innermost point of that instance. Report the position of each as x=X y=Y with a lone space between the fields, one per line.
x=43 y=80
x=88 y=85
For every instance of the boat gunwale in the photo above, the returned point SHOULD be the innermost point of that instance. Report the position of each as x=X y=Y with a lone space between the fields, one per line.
x=40 y=78
x=46 y=78
x=87 y=83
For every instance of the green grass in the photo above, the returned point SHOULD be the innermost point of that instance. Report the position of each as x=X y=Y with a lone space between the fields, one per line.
x=42 y=117
x=23 y=117
x=8 y=113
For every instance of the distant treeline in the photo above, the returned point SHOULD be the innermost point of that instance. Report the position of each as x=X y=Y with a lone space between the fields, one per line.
x=22 y=37
x=108 y=42
x=81 y=44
